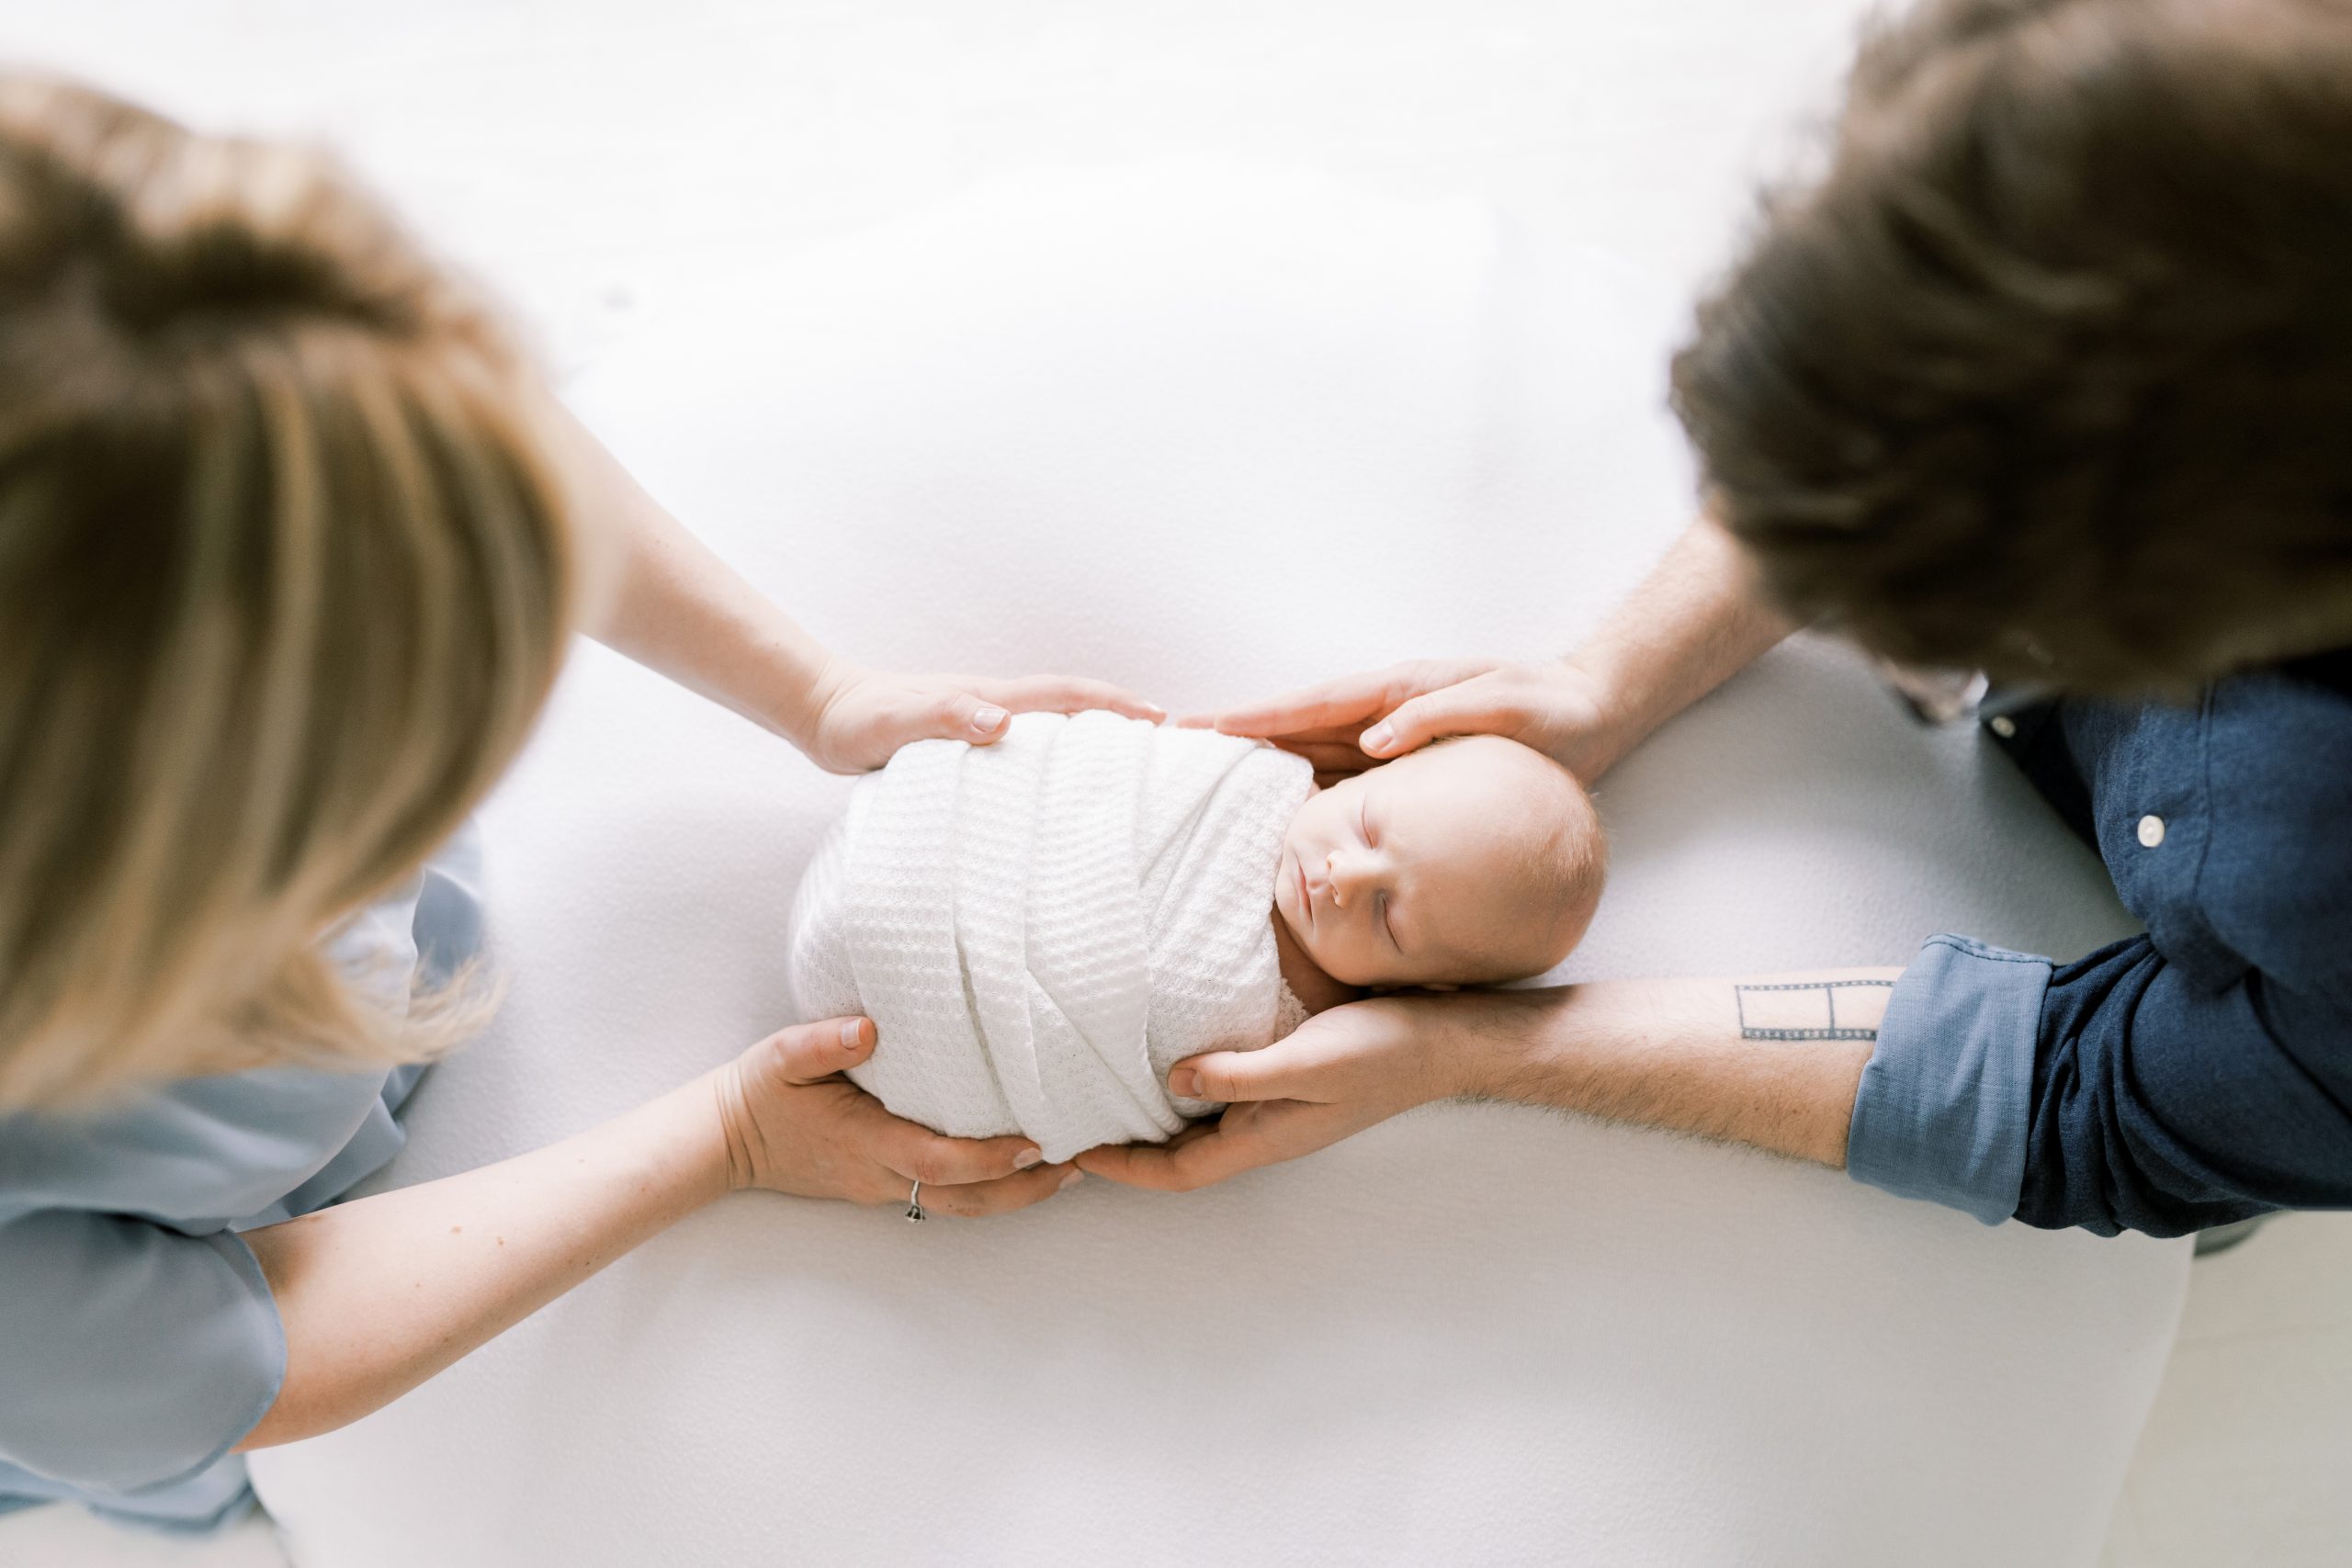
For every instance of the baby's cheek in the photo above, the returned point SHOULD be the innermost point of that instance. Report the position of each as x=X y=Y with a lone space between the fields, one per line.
x=1342 y=960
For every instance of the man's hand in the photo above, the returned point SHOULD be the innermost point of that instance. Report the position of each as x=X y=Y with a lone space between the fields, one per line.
x=861 y=717
x=1348 y=724
x=1674 y=1053
x=793 y=1125
x=1342 y=1071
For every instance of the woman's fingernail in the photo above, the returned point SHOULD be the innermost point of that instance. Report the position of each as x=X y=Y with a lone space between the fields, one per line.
x=1379 y=737
x=987 y=720
x=852 y=1034
x=1186 y=1082
x=1072 y=1179
x=1028 y=1158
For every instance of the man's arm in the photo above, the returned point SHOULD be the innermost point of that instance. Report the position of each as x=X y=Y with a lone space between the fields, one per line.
x=1769 y=1060
x=2115 y=1093
x=1699 y=619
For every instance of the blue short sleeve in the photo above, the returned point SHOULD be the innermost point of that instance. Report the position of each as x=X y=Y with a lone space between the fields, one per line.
x=134 y=1356
x=1942 y=1108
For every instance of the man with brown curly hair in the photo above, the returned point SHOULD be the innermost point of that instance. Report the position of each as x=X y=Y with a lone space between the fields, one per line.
x=2041 y=392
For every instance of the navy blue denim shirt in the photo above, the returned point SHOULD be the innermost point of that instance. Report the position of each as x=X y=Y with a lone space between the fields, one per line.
x=2195 y=1075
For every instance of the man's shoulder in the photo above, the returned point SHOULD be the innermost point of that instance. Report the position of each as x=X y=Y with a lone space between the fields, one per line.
x=2276 y=882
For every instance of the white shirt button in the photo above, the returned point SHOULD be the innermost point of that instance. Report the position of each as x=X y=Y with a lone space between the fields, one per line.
x=2152 y=830
x=2003 y=726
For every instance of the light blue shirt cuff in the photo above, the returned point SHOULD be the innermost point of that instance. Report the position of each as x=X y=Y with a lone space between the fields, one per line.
x=1942 y=1108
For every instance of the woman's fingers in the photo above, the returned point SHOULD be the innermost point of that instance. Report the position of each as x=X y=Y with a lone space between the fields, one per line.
x=868 y=715
x=967 y=716
x=977 y=1200
x=807 y=1052
x=918 y=1154
x=1068 y=694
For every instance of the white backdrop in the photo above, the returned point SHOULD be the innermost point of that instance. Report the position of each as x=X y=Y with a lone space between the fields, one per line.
x=1204 y=427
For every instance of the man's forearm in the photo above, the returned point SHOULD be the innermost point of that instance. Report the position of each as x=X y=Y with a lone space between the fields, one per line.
x=1698 y=619
x=1770 y=1060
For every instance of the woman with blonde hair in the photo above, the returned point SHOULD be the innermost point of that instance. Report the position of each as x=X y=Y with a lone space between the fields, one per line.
x=292 y=541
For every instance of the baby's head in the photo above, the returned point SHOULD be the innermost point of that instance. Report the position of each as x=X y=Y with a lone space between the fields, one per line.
x=1471 y=861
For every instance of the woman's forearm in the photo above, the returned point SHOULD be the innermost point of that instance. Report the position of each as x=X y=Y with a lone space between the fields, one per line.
x=380 y=1294
x=1771 y=1061
x=675 y=606
x=1699 y=619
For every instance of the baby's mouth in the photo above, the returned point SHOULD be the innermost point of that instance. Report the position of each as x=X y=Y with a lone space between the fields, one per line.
x=1305 y=893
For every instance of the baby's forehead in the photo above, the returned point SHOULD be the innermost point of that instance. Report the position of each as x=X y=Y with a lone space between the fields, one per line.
x=1466 y=780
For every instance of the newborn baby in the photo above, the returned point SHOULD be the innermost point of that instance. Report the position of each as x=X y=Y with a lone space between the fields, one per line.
x=1041 y=928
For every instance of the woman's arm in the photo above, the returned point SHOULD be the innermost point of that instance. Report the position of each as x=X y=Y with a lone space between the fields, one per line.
x=1770 y=1061
x=673 y=605
x=1695 y=621
x=378 y=1296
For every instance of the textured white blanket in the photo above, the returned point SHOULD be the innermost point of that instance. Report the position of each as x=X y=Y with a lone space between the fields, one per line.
x=1041 y=928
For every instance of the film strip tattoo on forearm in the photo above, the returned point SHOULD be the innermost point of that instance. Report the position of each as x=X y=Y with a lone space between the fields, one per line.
x=1803 y=1010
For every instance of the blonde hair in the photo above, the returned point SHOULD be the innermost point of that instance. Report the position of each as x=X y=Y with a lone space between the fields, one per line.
x=284 y=577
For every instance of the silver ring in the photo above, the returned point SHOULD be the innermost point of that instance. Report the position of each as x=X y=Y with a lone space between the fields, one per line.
x=914 y=1204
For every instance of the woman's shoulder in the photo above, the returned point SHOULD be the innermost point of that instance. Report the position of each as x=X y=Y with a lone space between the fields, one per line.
x=196 y=1154
x=199 y=1155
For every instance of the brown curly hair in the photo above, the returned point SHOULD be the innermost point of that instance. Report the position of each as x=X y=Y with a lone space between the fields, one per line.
x=2049 y=373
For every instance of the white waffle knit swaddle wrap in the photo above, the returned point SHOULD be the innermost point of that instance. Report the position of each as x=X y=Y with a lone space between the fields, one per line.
x=1041 y=928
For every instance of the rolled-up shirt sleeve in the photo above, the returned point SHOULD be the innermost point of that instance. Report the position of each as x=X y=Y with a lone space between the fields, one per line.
x=2117 y=1092
x=1942 y=1109
x=2167 y=1104
x=135 y=1356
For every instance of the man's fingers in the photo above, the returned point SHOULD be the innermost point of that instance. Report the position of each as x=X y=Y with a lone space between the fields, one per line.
x=1270 y=1073
x=977 y=1200
x=920 y=1155
x=1474 y=708
x=1244 y=1138
x=808 y=1053
x=1330 y=705
x=1342 y=707
x=1171 y=1167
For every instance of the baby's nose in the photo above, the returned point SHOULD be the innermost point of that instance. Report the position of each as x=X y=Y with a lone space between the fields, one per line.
x=1342 y=875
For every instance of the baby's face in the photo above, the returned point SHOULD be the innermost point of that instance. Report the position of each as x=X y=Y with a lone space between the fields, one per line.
x=1471 y=861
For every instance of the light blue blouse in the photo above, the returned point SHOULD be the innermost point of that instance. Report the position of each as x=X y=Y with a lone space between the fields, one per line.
x=137 y=1339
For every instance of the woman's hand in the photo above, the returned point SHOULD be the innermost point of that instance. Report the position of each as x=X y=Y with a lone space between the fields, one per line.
x=793 y=1125
x=861 y=717
x=1346 y=726
x=1342 y=1071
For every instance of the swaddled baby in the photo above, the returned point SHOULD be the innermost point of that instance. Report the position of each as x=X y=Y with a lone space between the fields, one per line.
x=1041 y=928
